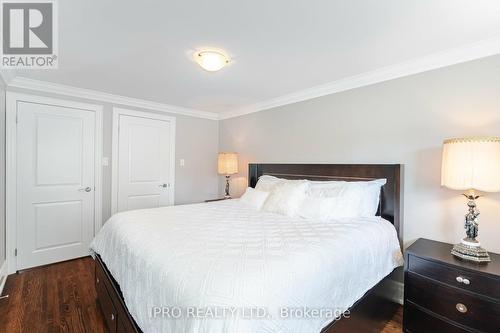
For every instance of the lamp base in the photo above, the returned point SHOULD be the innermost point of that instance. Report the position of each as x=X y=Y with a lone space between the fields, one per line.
x=226 y=194
x=471 y=250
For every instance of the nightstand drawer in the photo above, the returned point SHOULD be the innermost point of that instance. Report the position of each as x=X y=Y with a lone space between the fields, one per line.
x=455 y=276
x=453 y=304
x=417 y=320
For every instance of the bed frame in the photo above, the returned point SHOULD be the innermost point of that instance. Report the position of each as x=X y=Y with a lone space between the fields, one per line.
x=368 y=314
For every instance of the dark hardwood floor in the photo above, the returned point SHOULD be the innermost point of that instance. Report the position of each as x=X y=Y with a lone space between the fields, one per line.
x=62 y=298
x=53 y=298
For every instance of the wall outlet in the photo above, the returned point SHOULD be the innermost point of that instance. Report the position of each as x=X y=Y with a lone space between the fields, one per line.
x=105 y=161
x=182 y=162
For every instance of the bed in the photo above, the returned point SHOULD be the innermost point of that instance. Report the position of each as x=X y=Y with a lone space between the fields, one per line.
x=225 y=267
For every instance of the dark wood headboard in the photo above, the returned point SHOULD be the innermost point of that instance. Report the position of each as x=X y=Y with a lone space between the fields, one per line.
x=390 y=201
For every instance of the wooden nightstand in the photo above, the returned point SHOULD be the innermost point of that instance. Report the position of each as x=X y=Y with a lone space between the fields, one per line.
x=218 y=199
x=445 y=294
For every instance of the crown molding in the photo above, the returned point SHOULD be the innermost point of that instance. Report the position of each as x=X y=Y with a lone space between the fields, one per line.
x=55 y=88
x=6 y=76
x=484 y=48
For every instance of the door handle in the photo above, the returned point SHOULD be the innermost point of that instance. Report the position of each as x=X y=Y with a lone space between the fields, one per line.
x=164 y=185
x=461 y=308
x=86 y=189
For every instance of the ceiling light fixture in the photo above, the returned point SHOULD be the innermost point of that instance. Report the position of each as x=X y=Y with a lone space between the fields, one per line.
x=211 y=61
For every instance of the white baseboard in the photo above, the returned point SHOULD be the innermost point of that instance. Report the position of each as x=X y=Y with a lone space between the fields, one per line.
x=3 y=276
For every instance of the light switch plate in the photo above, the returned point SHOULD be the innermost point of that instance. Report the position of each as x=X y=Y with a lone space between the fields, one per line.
x=105 y=161
x=182 y=162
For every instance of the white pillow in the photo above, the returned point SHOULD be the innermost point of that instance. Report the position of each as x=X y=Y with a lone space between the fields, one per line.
x=286 y=197
x=268 y=183
x=371 y=197
x=325 y=189
x=332 y=200
x=345 y=201
x=319 y=209
x=254 y=198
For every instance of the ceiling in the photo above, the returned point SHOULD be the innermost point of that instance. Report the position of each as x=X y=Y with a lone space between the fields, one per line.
x=142 y=49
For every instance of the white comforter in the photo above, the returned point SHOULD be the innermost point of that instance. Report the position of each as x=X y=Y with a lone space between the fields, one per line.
x=210 y=267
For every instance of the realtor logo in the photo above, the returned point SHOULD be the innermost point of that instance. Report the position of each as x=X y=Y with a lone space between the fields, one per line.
x=29 y=34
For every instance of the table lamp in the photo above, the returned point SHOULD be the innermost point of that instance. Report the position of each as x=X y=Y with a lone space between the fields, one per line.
x=227 y=165
x=470 y=165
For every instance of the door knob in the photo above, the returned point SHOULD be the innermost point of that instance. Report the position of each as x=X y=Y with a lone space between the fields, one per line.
x=86 y=189
x=164 y=185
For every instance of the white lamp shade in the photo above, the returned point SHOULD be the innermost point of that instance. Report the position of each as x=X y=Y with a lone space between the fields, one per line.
x=227 y=163
x=471 y=164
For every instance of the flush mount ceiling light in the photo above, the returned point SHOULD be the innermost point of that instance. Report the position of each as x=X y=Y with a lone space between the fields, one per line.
x=211 y=61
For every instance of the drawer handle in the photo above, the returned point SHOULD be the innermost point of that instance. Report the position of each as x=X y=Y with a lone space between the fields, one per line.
x=97 y=279
x=461 y=308
x=113 y=316
x=463 y=280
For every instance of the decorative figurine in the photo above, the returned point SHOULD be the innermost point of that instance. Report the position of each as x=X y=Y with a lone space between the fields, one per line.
x=471 y=218
x=470 y=248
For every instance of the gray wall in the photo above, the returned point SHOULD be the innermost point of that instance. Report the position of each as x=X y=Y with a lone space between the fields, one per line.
x=399 y=121
x=196 y=143
x=2 y=172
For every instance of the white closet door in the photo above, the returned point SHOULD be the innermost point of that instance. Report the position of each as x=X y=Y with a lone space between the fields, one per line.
x=55 y=175
x=144 y=162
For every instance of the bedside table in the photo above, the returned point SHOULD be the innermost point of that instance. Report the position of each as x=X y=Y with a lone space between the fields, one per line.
x=218 y=199
x=445 y=294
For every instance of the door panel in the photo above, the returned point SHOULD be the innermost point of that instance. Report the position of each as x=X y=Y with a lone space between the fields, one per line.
x=55 y=162
x=65 y=135
x=52 y=226
x=143 y=163
x=144 y=146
